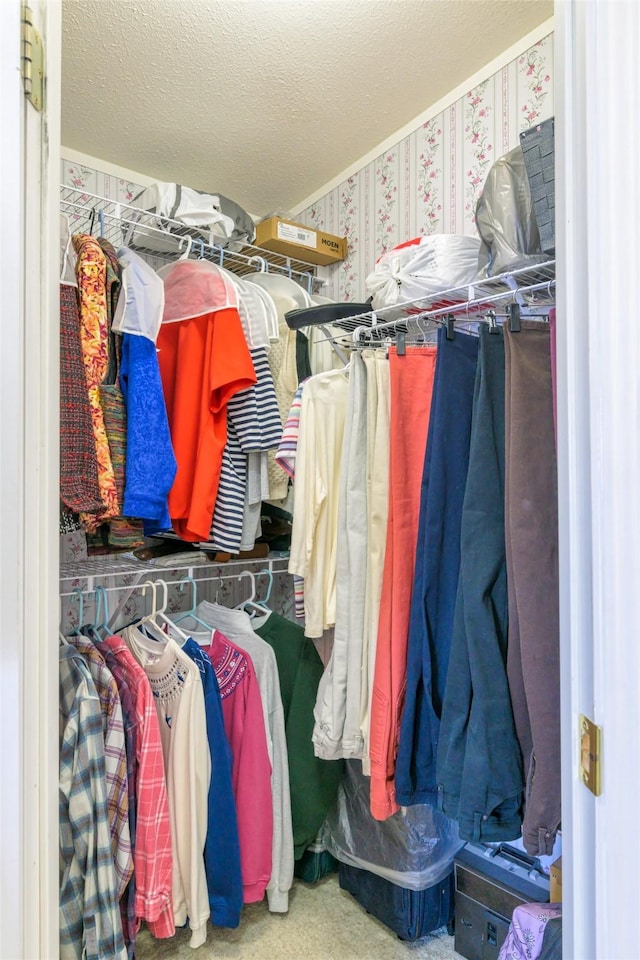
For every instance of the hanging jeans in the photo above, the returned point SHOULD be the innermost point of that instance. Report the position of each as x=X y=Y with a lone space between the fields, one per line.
x=436 y=569
x=411 y=384
x=479 y=764
x=531 y=528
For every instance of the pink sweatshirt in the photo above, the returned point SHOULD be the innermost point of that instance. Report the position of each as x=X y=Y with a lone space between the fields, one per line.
x=251 y=774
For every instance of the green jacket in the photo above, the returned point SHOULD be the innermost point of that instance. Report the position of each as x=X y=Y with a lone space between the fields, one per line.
x=313 y=782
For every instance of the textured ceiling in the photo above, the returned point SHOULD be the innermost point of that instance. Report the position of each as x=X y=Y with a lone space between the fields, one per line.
x=266 y=100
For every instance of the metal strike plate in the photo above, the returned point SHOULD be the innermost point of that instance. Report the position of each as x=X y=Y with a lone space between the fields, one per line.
x=591 y=755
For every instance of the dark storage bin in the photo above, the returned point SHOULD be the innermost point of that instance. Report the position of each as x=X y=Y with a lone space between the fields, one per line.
x=489 y=884
x=409 y=913
x=539 y=160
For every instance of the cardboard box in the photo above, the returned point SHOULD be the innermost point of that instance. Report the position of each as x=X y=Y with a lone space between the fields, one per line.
x=555 y=878
x=300 y=243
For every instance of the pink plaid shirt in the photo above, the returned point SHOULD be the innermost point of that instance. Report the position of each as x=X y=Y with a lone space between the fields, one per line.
x=153 y=859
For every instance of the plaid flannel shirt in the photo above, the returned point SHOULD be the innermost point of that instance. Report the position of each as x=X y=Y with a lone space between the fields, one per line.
x=130 y=924
x=115 y=759
x=90 y=927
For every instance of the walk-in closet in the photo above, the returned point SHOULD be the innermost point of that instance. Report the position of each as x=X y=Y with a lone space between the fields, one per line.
x=318 y=418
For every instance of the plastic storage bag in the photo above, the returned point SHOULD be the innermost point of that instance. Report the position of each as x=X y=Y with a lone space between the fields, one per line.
x=423 y=267
x=505 y=217
x=210 y=218
x=413 y=849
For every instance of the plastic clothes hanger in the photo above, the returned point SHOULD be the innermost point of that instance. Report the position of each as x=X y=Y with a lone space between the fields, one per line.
x=264 y=603
x=250 y=602
x=263 y=266
x=191 y=613
x=247 y=573
x=161 y=615
x=149 y=624
x=185 y=255
x=102 y=612
x=78 y=594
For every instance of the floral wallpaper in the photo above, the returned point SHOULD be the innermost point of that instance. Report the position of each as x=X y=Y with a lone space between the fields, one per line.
x=430 y=182
x=477 y=145
x=430 y=176
x=94 y=181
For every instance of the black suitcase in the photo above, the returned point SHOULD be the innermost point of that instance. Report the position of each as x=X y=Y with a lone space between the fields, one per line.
x=409 y=913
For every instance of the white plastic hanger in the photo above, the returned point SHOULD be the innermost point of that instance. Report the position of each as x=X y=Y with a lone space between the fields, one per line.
x=150 y=622
x=250 y=605
x=161 y=615
x=185 y=255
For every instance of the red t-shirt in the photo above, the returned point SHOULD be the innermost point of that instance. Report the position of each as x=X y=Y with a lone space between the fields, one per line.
x=204 y=361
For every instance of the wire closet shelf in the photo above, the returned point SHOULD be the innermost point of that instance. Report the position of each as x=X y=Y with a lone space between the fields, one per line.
x=103 y=570
x=532 y=288
x=160 y=240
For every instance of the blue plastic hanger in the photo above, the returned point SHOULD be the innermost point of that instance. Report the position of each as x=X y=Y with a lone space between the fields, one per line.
x=192 y=612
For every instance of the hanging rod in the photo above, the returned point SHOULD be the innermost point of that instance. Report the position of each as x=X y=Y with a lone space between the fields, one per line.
x=126 y=565
x=119 y=222
x=529 y=286
x=463 y=311
x=140 y=584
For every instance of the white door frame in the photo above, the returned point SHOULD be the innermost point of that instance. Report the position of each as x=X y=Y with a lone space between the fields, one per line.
x=29 y=229
x=597 y=87
x=598 y=143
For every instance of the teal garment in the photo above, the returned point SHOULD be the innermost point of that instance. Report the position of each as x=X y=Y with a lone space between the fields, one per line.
x=313 y=782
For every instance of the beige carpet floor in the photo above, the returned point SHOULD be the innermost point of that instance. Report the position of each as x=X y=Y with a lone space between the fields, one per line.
x=323 y=923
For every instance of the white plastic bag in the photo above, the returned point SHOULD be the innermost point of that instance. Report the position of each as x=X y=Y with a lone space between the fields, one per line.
x=199 y=214
x=423 y=267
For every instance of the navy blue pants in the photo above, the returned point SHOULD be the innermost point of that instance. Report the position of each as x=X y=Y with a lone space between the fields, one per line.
x=436 y=570
x=479 y=766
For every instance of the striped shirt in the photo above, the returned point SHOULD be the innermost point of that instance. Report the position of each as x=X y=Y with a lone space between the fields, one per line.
x=90 y=926
x=153 y=858
x=253 y=424
x=115 y=758
x=255 y=411
x=228 y=514
x=286 y=453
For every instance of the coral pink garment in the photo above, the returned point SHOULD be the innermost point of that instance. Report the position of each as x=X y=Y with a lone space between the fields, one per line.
x=153 y=857
x=411 y=379
x=251 y=774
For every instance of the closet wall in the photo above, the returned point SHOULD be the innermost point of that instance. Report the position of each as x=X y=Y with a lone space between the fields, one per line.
x=93 y=177
x=430 y=181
